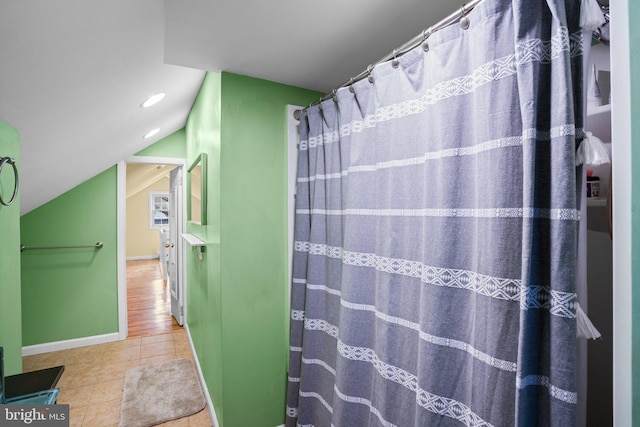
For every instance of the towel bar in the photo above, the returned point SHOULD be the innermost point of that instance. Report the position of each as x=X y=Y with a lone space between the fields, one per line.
x=98 y=245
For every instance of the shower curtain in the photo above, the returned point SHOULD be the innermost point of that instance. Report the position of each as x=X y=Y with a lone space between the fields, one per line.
x=436 y=232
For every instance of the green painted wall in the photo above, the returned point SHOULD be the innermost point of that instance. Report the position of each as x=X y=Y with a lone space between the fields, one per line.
x=237 y=293
x=174 y=145
x=71 y=293
x=254 y=238
x=634 y=47
x=10 y=309
x=204 y=303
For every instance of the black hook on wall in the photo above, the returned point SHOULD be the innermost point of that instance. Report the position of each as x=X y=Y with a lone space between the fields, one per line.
x=12 y=162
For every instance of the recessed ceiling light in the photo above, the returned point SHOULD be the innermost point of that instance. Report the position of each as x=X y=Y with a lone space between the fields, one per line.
x=151 y=133
x=153 y=100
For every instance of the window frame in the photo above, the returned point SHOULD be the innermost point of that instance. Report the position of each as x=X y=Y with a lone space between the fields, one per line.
x=152 y=210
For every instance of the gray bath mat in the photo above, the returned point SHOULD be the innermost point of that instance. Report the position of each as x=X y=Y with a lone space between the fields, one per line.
x=154 y=394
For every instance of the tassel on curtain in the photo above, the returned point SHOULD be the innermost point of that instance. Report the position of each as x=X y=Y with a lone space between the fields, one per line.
x=436 y=232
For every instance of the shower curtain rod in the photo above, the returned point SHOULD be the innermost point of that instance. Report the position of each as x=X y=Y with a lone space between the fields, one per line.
x=406 y=47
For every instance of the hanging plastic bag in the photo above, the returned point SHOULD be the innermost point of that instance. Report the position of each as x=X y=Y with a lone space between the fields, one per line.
x=591 y=151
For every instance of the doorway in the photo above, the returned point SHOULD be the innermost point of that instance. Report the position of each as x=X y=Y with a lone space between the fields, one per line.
x=599 y=245
x=150 y=250
x=148 y=300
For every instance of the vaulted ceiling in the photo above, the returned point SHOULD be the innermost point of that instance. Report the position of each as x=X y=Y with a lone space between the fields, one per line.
x=142 y=176
x=73 y=73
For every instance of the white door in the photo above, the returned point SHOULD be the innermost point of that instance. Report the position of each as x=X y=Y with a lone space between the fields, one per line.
x=176 y=222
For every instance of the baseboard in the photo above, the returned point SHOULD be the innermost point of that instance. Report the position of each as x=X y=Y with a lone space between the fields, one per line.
x=203 y=383
x=67 y=344
x=136 y=258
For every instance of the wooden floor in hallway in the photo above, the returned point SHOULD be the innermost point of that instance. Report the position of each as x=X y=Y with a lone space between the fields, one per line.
x=148 y=300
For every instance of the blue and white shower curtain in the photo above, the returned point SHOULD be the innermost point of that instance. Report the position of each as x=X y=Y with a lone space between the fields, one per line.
x=436 y=232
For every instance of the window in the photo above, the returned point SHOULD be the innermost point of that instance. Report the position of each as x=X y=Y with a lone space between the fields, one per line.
x=158 y=209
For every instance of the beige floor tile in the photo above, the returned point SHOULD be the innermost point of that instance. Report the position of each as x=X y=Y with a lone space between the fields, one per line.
x=70 y=381
x=157 y=360
x=180 y=336
x=89 y=358
x=41 y=361
x=76 y=415
x=201 y=419
x=182 y=346
x=78 y=377
x=181 y=422
x=121 y=355
x=76 y=355
x=102 y=414
x=98 y=349
x=120 y=345
x=94 y=376
x=156 y=338
x=55 y=359
x=85 y=359
x=184 y=355
x=107 y=391
x=32 y=365
x=87 y=370
x=130 y=342
x=75 y=397
x=156 y=349
x=112 y=371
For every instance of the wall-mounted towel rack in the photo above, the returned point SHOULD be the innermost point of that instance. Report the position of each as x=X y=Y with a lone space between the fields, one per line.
x=98 y=245
x=16 y=183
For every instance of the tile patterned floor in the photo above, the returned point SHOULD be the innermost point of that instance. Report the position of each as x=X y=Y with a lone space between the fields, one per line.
x=93 y=377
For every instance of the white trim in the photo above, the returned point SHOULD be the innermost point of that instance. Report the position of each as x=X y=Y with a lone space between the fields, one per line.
x=292 y=161
x=122 y=237
x=30 y=350
x=203 y=383
x=293 y=136
x=621 y=123
x=136 y=258
x=155 y=160
x=183 y=253
x=121 y=227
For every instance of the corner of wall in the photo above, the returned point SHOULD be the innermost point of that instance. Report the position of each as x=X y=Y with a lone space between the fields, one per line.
x=10 y=283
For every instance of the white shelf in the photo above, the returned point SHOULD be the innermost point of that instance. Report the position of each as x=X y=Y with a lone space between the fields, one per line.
x=193 y=240
x=600 y=109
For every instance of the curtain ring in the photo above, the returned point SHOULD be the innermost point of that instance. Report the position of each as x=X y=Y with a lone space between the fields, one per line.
x=370 y=69
x=351 y=89
x=425 y=35
x=334 y=95
x=395 y=63
x=12 y=162
x=464 y=21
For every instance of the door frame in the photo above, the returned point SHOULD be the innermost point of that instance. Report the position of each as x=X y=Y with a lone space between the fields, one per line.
x=121 y=227
x=621 y=137
x=179 y=245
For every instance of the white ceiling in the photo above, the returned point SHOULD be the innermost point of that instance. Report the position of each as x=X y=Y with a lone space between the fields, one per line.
x=74 y=72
